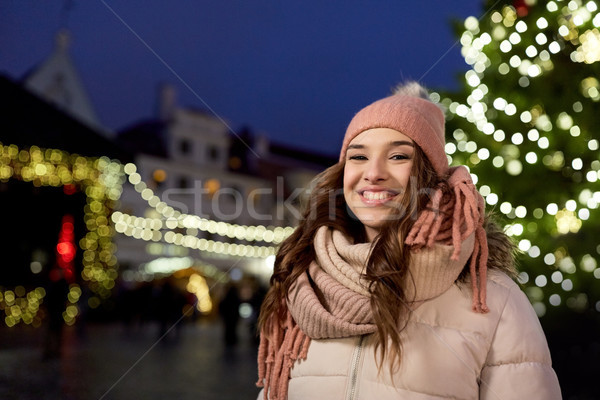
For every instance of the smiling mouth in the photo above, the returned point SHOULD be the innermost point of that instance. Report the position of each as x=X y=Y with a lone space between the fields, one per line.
x=376 y=197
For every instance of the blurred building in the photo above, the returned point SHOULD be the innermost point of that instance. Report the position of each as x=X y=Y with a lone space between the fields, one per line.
x=194 y=162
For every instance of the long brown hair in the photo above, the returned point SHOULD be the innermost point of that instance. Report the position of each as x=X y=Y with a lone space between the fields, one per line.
x=387 y=267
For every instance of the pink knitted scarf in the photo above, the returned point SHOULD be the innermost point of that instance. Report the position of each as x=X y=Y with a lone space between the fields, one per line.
x=332 y=300
x=455 y=221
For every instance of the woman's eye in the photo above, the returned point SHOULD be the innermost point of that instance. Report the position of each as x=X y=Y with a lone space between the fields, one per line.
x=357 y=157
x=400 y=157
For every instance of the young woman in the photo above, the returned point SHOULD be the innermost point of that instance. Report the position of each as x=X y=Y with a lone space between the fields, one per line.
x=395 y=285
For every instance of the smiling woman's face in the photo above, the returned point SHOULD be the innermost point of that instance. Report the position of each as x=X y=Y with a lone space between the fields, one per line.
x=377 y=170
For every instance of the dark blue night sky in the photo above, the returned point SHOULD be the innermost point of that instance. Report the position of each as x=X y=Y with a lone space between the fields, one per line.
x=296 y=71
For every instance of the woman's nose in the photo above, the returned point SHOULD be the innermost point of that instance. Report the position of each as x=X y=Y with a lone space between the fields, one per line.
x=376 y=171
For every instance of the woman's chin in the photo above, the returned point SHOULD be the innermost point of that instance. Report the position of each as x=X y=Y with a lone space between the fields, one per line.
x=374 y=221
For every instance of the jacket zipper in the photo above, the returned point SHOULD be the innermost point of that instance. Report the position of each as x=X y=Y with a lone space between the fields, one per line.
x=354 y=370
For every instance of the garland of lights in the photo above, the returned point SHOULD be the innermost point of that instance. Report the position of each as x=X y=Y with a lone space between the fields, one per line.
x=148 y=229
x=175 y=219
x=506 y=29
x=101 y=180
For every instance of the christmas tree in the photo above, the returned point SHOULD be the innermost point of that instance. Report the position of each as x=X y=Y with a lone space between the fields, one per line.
x=528 y=126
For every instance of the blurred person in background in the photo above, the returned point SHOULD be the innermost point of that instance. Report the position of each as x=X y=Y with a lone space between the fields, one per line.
x=229 y=310
x=169 y=303
x=55 y=302
x=258 y=295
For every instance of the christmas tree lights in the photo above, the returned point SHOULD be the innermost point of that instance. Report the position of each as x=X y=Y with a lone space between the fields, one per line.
x=526 y=124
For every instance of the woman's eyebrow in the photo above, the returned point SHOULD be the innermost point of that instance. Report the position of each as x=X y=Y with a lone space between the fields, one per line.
x=391 y=144
x=356 y=146
x=402 y=143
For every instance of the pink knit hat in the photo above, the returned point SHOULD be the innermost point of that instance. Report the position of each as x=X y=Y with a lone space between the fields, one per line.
x=419 y=119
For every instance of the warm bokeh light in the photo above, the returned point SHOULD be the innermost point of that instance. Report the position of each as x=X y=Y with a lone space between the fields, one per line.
x=197 y=286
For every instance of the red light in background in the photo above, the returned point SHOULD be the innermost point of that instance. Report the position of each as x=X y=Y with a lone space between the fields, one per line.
x=68 y=227
x=521 y=7
x=69 y=189
x=65 y=250
x=69 y=275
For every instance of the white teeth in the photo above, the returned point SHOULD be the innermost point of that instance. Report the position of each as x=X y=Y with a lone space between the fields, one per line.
x=377 y=195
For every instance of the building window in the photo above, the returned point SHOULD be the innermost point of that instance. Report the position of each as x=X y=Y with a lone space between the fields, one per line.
x=185 y=147
x=213 y=153
x=183 y=182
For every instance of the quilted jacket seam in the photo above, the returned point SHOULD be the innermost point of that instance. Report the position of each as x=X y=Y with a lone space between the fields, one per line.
x=493 y=336
x=519 y=363
x=461 y=331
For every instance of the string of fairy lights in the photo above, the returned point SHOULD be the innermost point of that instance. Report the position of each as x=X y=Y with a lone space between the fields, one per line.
x=162 y=228
x=101 y=180
x=506 y=31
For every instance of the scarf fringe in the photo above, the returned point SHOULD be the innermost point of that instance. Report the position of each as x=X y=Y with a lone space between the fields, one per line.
x=468 y=212
x=278 y=351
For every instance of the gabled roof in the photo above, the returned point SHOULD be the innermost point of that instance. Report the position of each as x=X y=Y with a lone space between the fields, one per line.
x=56 y=80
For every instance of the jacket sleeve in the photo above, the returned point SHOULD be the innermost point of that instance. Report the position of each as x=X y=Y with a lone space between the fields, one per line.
x=518 y=364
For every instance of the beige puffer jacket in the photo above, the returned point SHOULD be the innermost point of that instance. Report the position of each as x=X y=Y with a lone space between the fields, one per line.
x=449 y=352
